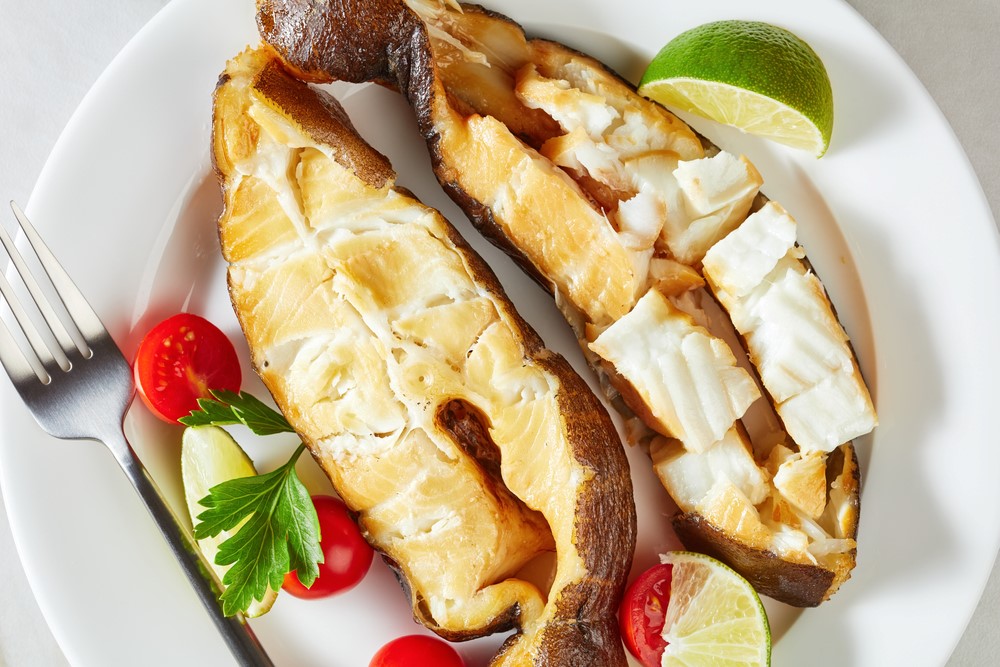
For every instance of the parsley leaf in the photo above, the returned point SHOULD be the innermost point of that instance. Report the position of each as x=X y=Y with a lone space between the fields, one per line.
x=281 y=533
x=228 y=407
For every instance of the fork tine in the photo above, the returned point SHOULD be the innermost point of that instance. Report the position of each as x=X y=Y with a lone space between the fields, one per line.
x=90 y=403
x=41 y=357
x=86 y=320
x=13 y=359
x=56 y=325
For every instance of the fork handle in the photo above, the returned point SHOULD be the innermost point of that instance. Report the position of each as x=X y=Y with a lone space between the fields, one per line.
x=237 y=633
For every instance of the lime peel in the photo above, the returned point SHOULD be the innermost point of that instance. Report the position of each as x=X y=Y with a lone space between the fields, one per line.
x=748 y=74
x=713 y=614
x=210 y=456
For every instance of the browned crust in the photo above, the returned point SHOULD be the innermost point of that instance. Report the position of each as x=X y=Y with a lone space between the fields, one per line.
x=321 y=117
x=844 y=460
x=394 y=49
x=605 y=510
x=795 y=583
x=482 y=218
x=470 y=429
x=605 y=530
x=587 y=624
x=388 y=44
x=301 y=31
x=507 y=620
x=798 y=584
x=606 y=505
x=573 y=642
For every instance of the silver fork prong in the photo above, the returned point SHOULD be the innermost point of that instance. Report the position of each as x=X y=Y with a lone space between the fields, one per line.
x=13 y=359
x=56 y=326
x=42 y=356
x=87 y=323
x=89 y=402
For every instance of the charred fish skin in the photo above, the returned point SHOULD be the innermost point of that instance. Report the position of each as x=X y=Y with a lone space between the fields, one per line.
x=384 y=42
x=359 y=41
x=797 y=584
x=520 y=430
x=489 y=124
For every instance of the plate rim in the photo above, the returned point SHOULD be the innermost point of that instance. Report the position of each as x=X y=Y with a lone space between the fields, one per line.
x=179 y=6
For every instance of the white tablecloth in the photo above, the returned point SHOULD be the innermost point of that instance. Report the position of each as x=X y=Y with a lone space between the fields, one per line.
x=51 y=51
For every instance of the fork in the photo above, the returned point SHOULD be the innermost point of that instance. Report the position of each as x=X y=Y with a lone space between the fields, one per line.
x=78 y=385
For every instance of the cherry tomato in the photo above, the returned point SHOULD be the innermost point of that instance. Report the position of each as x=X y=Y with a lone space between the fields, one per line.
x=642 y=613
x=347 y=556
x=179 y=360
x=417 y=651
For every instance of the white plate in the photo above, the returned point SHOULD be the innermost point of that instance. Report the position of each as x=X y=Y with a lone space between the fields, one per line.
x=892 y=217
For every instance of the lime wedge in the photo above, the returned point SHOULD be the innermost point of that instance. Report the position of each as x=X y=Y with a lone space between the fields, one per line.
x=714 y=616
x=751 y=75
x=210 y=456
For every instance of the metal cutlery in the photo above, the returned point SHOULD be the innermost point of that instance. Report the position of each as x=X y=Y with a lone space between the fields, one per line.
x=77 y=384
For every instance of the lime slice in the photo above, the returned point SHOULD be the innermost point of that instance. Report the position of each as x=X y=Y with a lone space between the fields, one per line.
x=714 y=616
x=210 y=456
x=752 y=75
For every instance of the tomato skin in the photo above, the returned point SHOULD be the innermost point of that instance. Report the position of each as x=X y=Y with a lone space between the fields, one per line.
x=417 y=651
x=347 y=557
x=179 y=361
x=642 y=612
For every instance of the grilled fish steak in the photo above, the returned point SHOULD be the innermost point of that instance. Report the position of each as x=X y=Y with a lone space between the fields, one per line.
x=612 y=204
x=466 y=449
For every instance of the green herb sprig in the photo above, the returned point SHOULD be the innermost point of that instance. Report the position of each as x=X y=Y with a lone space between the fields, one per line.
x=281 y=529
x=229 y=407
